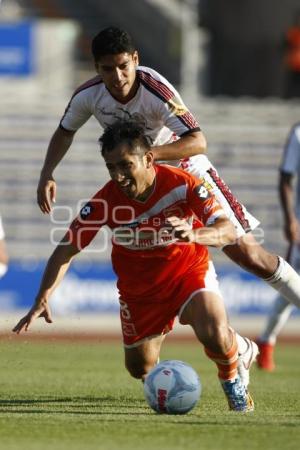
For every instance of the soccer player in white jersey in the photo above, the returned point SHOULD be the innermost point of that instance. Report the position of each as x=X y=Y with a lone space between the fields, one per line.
x=3 y=252
x=290 y=204
x=123 y=89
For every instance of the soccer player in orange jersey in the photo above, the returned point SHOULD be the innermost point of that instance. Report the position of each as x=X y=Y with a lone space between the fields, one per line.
x=161 y=261
x=123 y=89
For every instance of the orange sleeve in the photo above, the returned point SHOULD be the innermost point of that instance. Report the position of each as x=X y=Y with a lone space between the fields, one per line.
x=92 y=216
x=203 y=203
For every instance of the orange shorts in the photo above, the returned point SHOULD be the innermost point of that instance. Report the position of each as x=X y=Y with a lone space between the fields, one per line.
x=146 y=318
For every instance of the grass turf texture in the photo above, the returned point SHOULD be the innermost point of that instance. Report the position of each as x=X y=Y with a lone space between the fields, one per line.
x=75 y=396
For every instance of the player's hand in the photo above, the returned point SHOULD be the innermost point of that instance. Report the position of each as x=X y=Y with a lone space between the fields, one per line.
x=46 y=193
x=40 y=309
x=183 y=230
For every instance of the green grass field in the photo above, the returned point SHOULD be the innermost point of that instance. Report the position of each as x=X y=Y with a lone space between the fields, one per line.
x=75 y=396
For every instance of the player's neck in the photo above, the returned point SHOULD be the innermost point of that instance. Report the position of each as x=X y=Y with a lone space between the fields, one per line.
x=149 y=188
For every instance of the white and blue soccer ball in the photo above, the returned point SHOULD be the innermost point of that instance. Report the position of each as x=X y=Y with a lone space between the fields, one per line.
x=172 y=387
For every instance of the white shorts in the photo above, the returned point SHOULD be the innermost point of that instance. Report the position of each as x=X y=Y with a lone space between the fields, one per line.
x=200 y=167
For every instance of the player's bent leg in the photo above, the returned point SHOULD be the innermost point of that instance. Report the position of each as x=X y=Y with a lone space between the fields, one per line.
x=205 y=312
x=250 y=255
x=273 y=269
x=141 y=358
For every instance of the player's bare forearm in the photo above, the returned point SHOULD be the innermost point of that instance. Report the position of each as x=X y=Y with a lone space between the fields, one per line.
x=58 y=147
x=46 y=190
x=189 y=145
x=221 y=233
x=56 y=268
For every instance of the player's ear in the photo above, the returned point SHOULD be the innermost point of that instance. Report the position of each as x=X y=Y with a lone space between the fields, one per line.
x=135 y=58
x=149 y=158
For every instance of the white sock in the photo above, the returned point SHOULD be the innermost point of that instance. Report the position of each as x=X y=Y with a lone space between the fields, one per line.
x=286 y=281
x=277 y=318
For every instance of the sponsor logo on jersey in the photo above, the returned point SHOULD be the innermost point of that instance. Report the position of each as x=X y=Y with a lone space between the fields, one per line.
x=86 y=211
x=143 y=239
x=176 y=106
x=206 y=184
x=202 y=192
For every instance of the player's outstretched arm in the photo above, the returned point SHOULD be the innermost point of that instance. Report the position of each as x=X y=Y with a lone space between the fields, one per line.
x=191 y=144
x=56 y=268
x=58 y=147
x=218 y=234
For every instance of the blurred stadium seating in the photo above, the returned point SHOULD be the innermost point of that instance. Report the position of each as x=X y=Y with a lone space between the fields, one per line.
x=245 y=136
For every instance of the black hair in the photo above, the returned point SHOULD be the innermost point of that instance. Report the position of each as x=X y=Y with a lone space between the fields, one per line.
x=128 y=132
x=112 y=41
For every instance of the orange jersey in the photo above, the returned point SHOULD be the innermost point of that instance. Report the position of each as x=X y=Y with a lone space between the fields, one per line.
x=146 y=255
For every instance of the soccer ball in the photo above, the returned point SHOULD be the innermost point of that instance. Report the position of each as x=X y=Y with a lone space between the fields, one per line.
x=172 y=387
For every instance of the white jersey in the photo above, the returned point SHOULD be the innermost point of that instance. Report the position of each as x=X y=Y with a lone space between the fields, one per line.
x=291 y=160
x=159 y=107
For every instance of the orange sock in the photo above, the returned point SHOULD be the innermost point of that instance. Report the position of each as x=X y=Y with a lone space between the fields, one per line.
x=227 y=363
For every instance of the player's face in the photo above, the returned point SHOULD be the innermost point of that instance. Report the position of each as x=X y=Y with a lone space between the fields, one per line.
x=133 y=173
x=118 y=73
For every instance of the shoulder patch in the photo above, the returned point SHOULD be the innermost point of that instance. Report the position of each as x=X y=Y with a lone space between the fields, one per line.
x=86 y=211
x=177 y=106
x=202 y=192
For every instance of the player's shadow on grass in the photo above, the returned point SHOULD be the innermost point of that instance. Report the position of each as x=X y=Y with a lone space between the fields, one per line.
x=74 y=405
x=110 y=409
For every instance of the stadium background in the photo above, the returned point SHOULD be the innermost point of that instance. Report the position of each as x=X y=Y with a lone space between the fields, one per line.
x=228 y=65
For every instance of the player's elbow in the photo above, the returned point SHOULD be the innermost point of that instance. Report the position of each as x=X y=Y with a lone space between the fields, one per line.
x=200 y=143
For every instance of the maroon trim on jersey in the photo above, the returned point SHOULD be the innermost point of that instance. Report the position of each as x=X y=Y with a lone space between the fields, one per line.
x=165 y=94
x=156 y=87
x=188 y=120
x=231 y=199
x=92 y=82
x=87 y=84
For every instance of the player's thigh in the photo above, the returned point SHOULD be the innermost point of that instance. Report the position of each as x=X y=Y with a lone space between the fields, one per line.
x=140 y=359
x=206 y=314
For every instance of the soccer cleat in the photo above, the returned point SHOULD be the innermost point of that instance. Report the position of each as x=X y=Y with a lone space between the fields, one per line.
x=237 y=395
x=245 y=361
x=265 y=358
